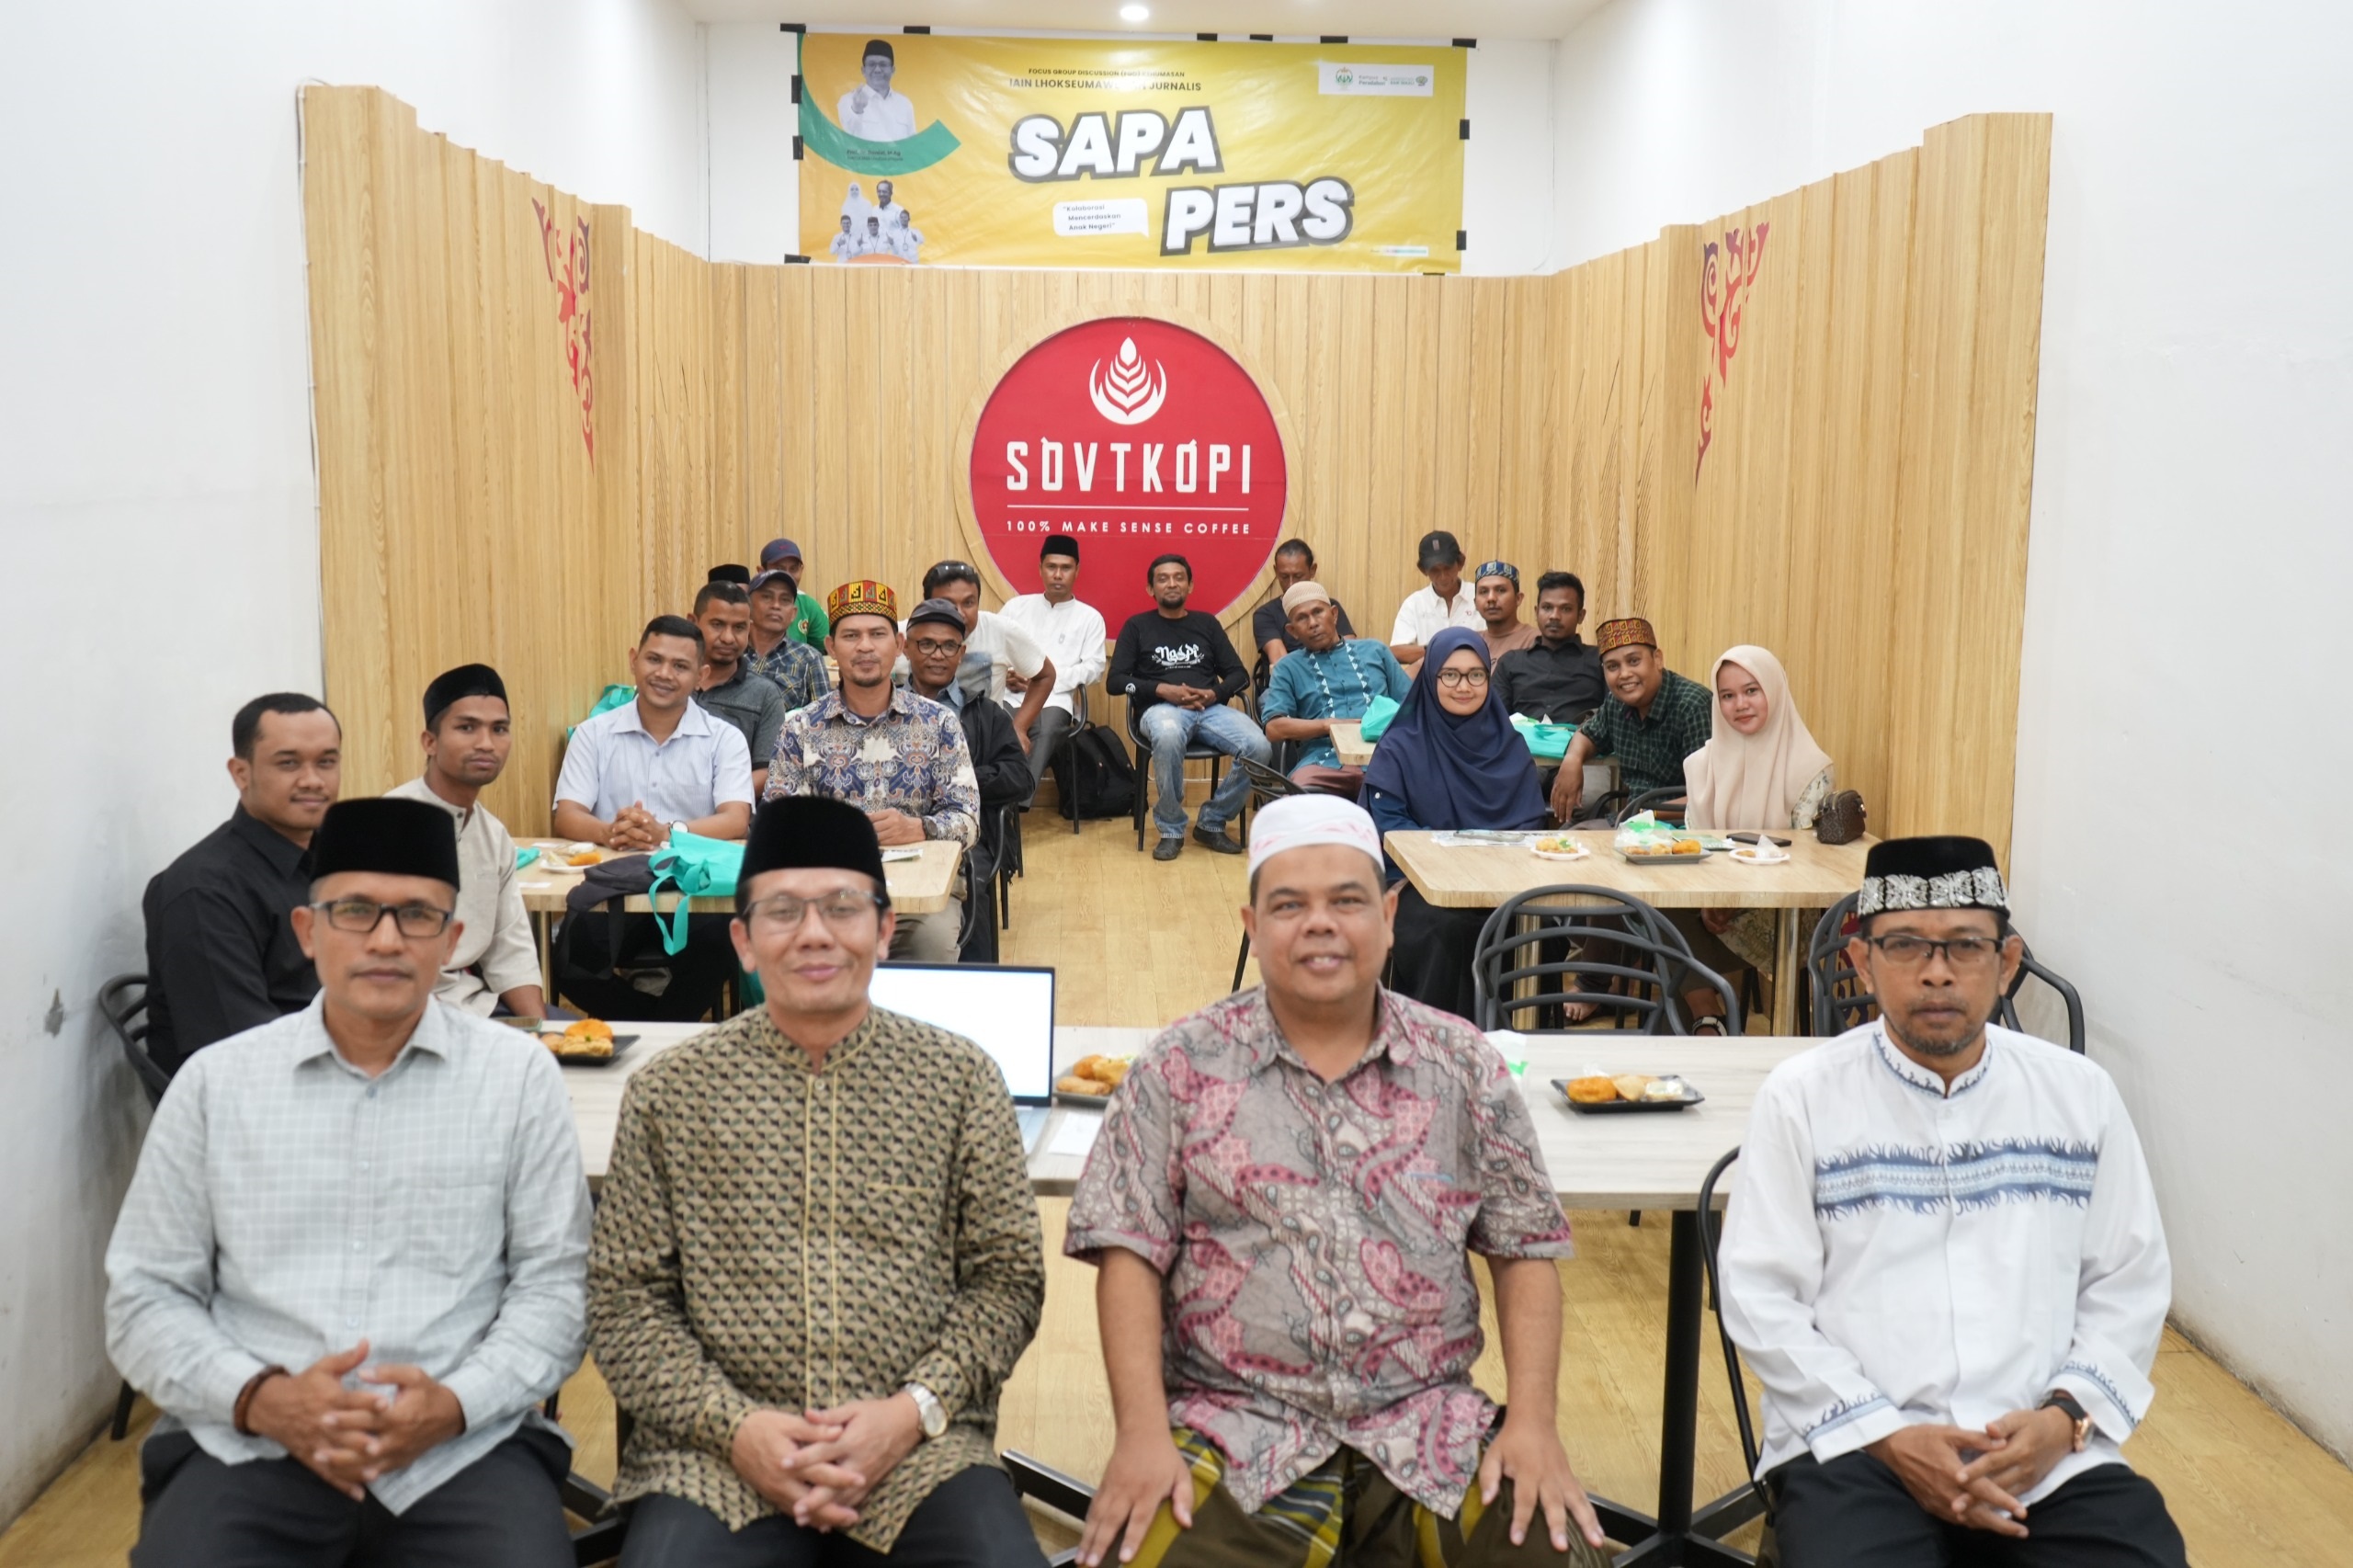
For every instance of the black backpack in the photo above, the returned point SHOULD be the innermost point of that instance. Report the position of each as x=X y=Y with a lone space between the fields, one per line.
x=1095 y=771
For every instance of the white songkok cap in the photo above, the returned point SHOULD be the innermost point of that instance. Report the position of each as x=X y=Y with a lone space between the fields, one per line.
x=1298 y=594
x=1297 y=820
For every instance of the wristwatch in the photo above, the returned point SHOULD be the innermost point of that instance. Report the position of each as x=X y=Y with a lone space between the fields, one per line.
x=675 y=829
x=928 y=1410
x=2066 y=1405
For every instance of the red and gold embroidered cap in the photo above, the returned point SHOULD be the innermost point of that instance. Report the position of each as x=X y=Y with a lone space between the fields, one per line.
x=865 y=596
x=1624 y=633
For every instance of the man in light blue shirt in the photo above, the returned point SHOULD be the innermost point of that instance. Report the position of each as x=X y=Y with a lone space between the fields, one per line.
x=352 y=1262
x=633 y=772
x=1327 y=678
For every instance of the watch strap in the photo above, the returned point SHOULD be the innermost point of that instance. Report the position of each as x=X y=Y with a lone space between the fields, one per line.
x=2073 y=1409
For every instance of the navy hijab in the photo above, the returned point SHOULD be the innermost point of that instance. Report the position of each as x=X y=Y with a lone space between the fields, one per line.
x=1455 y=771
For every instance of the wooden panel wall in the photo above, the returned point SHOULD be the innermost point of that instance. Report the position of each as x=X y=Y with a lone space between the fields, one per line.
x=1861 y=510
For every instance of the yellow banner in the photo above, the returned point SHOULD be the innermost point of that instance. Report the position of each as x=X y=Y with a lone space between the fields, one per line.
x=1000 y=151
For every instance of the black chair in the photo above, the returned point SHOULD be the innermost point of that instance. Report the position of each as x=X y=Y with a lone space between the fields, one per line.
x=1712 y=1227
x=1667 y=805
x=1067 y=749
x=123 y=1002
x=1002 y=835
x=1265 y=784
x=1199 y=751
x=1840 y=1003
x=1608 y=936
x=1064 y=1493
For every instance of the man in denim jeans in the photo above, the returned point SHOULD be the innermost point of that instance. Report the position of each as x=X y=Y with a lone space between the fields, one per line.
x=1177 y=671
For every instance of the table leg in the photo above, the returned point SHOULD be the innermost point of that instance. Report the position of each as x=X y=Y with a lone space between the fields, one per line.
x=1785 y=973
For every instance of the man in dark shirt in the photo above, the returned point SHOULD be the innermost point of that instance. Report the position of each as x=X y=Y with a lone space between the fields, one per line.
x=220 y=951
x=1556 y=678
x=935 y=652
x=1178 y=672
x=1270 y=628
x=728 y=688
x=1651 y=721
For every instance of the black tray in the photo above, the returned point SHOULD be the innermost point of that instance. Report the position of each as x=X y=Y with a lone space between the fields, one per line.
x=1691 y=1096
x=621 y=1042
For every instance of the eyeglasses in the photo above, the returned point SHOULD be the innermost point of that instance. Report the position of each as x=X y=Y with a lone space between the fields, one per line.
x=935 y=648
x=1461 y=677
x=1961 y=952
x=361 y=915
x=840 y=909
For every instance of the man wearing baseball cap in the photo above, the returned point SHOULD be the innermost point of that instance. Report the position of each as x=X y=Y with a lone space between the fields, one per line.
x=796 y=667
x=1447 y=601
x=1268 y=1128
x=809 y=624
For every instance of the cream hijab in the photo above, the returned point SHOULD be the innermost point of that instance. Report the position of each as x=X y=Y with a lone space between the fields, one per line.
x=1753 y=781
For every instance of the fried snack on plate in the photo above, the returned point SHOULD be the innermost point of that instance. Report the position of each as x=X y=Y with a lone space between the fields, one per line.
x=1112 y=1071
x=1091 y=1067
x=588 y=1028
x=1592 y=1091
x=1072 y=1084
x=1629 y=1086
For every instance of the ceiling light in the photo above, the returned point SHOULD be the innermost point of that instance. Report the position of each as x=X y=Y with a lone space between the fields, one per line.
x=1134 y=13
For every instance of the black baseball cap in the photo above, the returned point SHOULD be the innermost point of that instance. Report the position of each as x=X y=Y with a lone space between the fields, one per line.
x=1439 y=549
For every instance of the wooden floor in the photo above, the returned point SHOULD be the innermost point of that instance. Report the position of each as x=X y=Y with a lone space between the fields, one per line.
x=1139 y=942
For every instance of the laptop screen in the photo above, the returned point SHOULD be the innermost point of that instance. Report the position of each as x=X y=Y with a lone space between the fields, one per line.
x=1008 y=1012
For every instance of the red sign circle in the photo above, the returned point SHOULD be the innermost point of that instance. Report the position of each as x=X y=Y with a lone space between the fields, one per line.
x=1138 y=438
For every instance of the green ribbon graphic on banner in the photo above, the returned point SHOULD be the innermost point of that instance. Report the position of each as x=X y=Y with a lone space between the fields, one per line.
x=839 y=148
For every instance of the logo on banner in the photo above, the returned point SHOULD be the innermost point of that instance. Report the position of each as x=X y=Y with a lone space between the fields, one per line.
x=1138 y=438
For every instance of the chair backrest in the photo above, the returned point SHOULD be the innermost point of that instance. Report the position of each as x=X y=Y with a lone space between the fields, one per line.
x=1840 y=1002
x=1615 y=938
x=122 y=1001
x=1667 y=805
x=1266 y=783
x=1711 y=1234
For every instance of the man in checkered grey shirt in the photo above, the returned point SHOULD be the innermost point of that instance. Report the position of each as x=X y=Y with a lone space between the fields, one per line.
x=352 y=1262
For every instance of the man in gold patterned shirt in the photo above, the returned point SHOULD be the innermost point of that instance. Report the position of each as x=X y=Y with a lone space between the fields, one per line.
x=817 y=1255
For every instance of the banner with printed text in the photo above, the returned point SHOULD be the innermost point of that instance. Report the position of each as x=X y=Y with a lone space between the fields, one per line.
x=1000 y=151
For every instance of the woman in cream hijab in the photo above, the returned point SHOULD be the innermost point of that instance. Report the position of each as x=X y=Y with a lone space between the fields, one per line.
x=1760 y=769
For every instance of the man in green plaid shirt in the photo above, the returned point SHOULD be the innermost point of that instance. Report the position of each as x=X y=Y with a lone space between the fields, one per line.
x=1651 y=721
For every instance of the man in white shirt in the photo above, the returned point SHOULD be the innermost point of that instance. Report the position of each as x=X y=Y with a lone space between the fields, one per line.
x=906 y=240
x=996 y=651
x=871 y=110
x=845 y=244
x=1447 y=601
x=1944 y=1263
x=352 y=1262
x=467 y=739
x=887 y=208
x=1071 y=632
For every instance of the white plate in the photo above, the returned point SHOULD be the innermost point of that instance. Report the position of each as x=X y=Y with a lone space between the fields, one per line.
x=1748 y=857
x=1582 y=853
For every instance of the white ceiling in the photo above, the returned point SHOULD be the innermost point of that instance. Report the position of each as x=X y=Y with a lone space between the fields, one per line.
x=1284 y=18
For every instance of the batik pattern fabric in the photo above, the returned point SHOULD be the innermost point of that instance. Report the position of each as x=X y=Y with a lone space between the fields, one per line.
x=1902 y=1251
x=910 y=757
x=1312 y=1237
x=797 y=668
x=774 y=1235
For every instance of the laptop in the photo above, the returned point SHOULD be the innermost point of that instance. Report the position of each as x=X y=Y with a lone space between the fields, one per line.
x=1006 y=1009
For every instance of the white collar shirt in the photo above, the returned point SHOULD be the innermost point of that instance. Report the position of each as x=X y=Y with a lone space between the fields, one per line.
x=495 y=951
x=1072 y=634
x=613 y=762
x=286 y=1206
x=1896 y=1253
x=1423 y=615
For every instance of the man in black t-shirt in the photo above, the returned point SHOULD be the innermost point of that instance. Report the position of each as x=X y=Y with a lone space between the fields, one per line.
x=1269 y=630
x=1177 y=671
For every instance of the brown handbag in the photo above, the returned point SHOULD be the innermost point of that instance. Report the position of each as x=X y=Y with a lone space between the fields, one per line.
x=1843 y=818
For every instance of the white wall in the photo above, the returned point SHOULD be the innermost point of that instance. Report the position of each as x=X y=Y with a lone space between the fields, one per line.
x=755 y=189
x=157 y=502
x=2190 y=561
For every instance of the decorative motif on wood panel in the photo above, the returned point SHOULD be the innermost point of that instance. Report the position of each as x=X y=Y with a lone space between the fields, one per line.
x=570 y=282
x=1721 y=299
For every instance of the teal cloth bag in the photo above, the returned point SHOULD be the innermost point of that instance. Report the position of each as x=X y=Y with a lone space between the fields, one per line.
x=1549 y=742
x=693 y=866
x=615 y=696
x=1376 y=714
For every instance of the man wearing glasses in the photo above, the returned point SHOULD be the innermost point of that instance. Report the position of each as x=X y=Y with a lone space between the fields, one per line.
x=817 y=1256
x=1945 y=1261
x=350 y=1265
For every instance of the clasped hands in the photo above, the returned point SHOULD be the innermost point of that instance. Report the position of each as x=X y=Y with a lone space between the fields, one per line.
x=1192 y=698
x=818 y=1466
x=1975 y=1478
x=349 y=1436
x=634 y=828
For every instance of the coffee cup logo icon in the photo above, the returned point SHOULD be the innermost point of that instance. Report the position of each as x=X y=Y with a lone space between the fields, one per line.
x=1131 y=393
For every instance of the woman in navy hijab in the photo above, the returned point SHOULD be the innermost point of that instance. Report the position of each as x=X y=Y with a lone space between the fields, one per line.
x=1451 y=760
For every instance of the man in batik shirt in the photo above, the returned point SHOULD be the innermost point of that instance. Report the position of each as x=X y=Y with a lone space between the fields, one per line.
x=898 y=758
x=1286 y=1186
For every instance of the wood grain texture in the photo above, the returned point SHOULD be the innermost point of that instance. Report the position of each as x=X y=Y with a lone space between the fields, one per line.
x=1457 y=876
x=1862 y=509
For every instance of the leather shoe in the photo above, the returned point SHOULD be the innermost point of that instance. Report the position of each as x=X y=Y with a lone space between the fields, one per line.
x=1216 y=840
x=1168 y=849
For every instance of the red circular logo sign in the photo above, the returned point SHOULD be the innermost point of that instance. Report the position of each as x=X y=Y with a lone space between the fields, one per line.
x=1138 y=438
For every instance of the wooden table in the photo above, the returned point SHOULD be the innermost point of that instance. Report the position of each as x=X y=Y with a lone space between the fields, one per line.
x=1347 y=739
x=1481 y=876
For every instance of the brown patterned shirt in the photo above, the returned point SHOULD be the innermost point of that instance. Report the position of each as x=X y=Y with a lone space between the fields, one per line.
x=1312 y=1237
x=770 y=1235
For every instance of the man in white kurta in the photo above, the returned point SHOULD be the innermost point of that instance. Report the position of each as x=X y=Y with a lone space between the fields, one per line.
x=1072 y=634
x=1944 y=1263
x=871 y=109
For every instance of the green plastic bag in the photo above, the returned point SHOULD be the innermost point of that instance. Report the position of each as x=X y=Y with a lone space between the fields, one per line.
x=1548 y=742
x=615 y=696
x=693 y=866
x=1376 y=714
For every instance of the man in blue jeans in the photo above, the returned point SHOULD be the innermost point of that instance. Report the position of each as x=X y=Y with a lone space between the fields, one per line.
x=1177 y=671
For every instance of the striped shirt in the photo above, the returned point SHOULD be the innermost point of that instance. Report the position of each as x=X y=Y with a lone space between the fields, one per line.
x=287 y=1206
